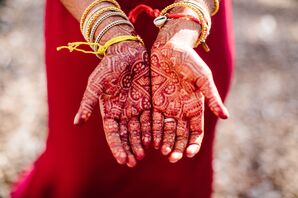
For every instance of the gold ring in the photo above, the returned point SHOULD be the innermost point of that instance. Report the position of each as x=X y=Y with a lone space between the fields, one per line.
x=169 y=120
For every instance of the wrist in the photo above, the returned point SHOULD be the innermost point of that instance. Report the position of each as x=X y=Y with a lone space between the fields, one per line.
x=186 y=32
x=123 y=48
x=187 y=10
x=181 y=31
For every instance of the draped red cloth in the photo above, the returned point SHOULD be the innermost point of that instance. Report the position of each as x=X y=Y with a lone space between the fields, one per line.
x=77 y=162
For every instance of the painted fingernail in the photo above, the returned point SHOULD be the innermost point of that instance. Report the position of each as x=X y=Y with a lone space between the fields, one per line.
x=130 y=165
x=140 y=154
x=175 y=156
x=224 y=114
x=165 y=150
x=192 y=150
x=121 y=159
x=76 y=119
x=131 y=161
x=157 y=144
x=146 y=141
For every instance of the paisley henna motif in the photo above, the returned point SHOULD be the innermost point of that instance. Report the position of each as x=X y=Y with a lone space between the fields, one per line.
x=180 y=82
x=121 y=85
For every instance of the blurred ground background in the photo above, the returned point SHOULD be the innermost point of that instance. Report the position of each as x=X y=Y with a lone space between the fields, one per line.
x=256 y=149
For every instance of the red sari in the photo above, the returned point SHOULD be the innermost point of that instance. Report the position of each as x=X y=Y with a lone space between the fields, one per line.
x=77 y=162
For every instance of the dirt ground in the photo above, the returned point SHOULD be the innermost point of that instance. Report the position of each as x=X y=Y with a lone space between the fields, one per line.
x=256 y=149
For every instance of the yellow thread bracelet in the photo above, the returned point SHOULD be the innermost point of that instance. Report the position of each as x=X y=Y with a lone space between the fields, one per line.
x=92 y=5
x=101 y=48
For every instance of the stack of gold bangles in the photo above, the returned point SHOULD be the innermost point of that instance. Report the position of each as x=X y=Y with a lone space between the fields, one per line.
x=100 y=10
x=202 y=12
x=92 y=17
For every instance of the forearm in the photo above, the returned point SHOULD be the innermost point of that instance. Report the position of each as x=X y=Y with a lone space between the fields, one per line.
x=76 y=7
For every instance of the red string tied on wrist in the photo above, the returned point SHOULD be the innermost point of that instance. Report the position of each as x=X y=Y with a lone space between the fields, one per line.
x=135 y=12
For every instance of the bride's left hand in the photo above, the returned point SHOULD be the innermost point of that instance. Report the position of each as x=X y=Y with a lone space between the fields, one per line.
x=181 y=81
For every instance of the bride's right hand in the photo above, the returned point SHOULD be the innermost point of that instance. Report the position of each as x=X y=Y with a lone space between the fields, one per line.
x=121 y=85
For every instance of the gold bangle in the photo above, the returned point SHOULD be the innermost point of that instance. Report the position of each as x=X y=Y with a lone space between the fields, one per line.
x=95 y=16
x=204 y=25
x=92 y=5
x=216 y=7
x=203 y=8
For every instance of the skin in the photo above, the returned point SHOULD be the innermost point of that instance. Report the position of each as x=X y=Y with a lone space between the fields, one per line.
x=120 y=84
x=181 y=82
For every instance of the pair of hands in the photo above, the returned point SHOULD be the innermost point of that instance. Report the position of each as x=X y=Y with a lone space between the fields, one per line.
x=159 y=100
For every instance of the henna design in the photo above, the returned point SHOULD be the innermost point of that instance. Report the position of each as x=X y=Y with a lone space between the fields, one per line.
x=121 y=84
x=169 y=136
x=173 y=96
x=180 y=82
x=157 y=126
x=131 y=161
x=145 y=120
x=196 y=135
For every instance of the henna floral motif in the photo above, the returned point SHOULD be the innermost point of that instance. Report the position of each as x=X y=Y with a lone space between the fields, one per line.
x=180 y=82
x=121 y=85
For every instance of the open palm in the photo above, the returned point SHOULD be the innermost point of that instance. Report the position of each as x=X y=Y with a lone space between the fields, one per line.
x=180 y=82
x=121 y=86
